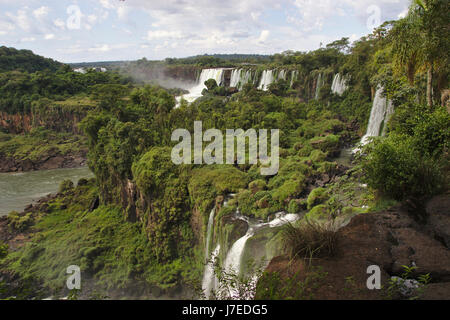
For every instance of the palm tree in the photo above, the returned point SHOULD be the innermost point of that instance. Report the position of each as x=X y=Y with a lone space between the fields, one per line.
x=421 y=40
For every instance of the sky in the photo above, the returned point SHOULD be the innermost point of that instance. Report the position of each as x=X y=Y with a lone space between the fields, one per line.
x=109 y=30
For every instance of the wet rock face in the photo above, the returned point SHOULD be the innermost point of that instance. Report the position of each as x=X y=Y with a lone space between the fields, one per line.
x=389 y=239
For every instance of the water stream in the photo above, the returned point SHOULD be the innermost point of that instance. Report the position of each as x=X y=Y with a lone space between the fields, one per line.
x=17 y=190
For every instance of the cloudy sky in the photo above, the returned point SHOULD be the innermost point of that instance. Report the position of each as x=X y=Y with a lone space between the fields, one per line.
x=104 y=30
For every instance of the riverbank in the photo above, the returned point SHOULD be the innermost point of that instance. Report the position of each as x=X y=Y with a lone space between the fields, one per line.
x=21 y=189
x=48 y=162
x=41 y=149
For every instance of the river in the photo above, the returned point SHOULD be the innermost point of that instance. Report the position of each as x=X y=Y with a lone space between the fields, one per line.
x=19 y=189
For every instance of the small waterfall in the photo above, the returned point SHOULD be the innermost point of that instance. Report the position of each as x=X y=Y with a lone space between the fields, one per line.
x=339 y=85
x=282 y=75
x=266 y=80
x=235 y=255
x=381 y=111
x=196 y=91
x=319 y=85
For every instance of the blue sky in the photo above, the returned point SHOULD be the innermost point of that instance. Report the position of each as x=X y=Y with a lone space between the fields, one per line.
x=104 y=30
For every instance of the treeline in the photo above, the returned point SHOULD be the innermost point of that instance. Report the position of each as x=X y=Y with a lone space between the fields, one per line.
x=25 y=60
x=19 y=89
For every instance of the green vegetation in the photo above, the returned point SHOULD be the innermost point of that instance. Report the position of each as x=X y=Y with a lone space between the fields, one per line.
x=40 y=144
x=25 y=60
x=149 y=228
x=309 y=239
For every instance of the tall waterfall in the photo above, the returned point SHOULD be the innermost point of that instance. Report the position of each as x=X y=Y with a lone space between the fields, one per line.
x=266 y=80
x=282 y=75
x=339 y=85
x=240 y=77
x=209 y=277
x=319 y=85
x=196 y=91
x=208 y=274
x=209 y=232
x=381 y=111
x=294 y=76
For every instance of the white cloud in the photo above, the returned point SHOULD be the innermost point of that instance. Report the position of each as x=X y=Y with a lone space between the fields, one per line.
x=41 y=12
x=30 y=39
x=59 y=23
x=49 y=36
x=20 y=19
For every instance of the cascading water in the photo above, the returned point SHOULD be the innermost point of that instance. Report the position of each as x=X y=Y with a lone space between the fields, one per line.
x=319 y=85
x=294 y=77
x=339 y=85
x=233 y=260
x=282 y=75
x=240 y=77
x=381 y=111
x=196 y=91
x=209 y=231
x=266 y=80
x=209 y=277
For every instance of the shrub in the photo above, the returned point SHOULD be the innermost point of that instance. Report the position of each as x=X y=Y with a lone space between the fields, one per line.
x=317 y=196
x=19 y=222
x=309 y=239
x=3 y=250
x=65 y=186
x=397 y=169
x=257 y=185
x=294 y=207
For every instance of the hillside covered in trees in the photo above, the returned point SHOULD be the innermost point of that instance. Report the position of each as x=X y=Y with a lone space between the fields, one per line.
x=145 y=227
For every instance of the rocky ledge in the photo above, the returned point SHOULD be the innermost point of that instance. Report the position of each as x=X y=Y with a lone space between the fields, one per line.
x=8 y=164
x=391 y=240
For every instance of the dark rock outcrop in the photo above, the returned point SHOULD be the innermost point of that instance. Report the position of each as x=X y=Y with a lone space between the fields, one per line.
x=390 y=239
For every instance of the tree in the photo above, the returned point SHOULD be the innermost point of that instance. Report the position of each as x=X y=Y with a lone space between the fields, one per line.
x=427 y=39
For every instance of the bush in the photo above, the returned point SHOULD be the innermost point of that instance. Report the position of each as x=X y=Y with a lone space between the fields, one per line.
x=65 y=186
x=19 y=222
x=317 y=196
x=309 y=239
x=294 y=207
x=3 y=250
x=395 y=168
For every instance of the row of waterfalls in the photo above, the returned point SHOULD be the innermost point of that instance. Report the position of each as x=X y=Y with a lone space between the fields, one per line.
x=237 y=78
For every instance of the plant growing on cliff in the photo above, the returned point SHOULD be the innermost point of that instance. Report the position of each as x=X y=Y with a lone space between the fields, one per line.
x=309 y=239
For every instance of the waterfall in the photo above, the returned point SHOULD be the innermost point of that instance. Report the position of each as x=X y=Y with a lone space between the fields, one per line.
x=266 y=80
x=240 y=77
x=339 y=84
x=282 y=75
x=196 y=91
x=381 y=111
x=233 y=260
x=294 y=76
x=319 y=85
x=209 y=232
x=209 y=276
x=235 y=78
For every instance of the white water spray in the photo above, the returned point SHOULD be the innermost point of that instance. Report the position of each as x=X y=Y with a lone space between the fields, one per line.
x=381 y=111
x=196 y=91
x=339 y=85
x=266 y=80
